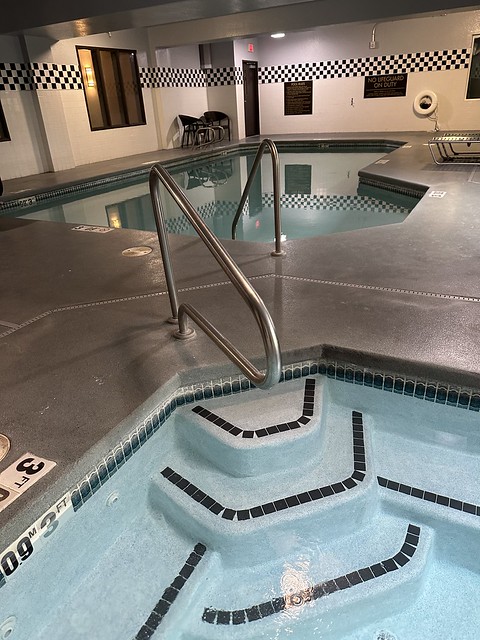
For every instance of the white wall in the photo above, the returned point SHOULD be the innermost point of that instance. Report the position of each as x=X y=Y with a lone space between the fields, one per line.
x=170 y=102
x=178 y=57
x=332 y=98
x=222 y=54
x=10 y=49
x=191 y=100
x=24 y=153
x=50 y=128
x=224 y=99
x=337 y=42
x=93 y=146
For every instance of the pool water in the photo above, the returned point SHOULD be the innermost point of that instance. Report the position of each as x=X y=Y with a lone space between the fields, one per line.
x=319 y=196
x=318 y=509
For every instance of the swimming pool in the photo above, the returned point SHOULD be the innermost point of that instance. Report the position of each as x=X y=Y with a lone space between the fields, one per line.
x=314 y=510
x=319 y=195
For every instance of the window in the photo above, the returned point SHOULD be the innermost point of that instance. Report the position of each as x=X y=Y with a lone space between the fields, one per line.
x=4 y=135
x=473 y=87
x=112 y=87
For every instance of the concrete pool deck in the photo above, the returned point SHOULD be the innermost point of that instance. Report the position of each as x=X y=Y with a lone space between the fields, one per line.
x=85 y=345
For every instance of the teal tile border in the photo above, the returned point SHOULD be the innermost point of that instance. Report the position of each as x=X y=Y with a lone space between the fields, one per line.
x=422 y=389
x=78 y=188
x=410 y=387
x=33 y=200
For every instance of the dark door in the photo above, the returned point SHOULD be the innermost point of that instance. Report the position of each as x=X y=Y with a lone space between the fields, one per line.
x=250 y=97
x=255 y=195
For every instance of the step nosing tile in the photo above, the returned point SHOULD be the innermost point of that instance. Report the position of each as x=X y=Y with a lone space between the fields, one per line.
x=351 y=580
x=279 y=504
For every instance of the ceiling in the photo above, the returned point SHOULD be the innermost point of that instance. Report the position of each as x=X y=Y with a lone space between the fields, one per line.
x=204 y=20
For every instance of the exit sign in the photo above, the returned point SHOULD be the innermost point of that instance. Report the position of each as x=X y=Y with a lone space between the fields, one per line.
x=251 y=48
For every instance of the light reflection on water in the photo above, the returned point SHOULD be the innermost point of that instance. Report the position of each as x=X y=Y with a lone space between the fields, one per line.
x=296 y=586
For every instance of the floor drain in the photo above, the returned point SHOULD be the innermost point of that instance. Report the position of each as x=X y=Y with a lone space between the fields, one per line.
x=134 y=252
x=384 y=635
x=4 y=446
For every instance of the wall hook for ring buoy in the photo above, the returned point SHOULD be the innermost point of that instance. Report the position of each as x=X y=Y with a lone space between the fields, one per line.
x=425 y=103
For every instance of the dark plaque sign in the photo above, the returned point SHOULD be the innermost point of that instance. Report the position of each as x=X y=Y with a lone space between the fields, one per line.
x=298 y=98
x=298 y=178
x=392 y=86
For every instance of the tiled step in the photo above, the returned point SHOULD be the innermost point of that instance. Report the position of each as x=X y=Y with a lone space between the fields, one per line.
x=456 y=523
x=254 y=433
x=429 y=471
x=442 y=610
x=336 y=490
x=319 y=590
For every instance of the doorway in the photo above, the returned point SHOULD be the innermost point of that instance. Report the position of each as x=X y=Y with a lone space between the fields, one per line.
x=250 y=97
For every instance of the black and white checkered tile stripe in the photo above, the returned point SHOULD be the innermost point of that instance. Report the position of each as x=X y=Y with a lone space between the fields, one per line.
x=224 y=76
x=219 y=208
x=155 y=77
x=178 y=225
x=56 y=76
x=333 y=203
x=43 y=75
x=39 y=75
x=377 y=65
x=319 y=203
x=15 y=76
x=208 y=210
x=151 y=77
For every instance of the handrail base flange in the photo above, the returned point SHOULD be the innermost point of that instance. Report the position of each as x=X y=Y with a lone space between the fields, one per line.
x=187 y=335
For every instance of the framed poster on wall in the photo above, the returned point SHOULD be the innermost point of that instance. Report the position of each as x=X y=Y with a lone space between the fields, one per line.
x=298 y=98
x=298 y=179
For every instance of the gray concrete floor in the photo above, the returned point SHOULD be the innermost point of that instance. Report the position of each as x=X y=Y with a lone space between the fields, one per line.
x=90 y=347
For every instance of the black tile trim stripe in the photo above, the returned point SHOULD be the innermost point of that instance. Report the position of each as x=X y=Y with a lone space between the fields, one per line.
x=359 y=471
x=304 y=419
x=320 y=590
x=429 y=496
x=169 y=595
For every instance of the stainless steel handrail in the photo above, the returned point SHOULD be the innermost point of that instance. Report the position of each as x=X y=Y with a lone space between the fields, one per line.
x=210 y=138
x=267 y=143
x=158 y=176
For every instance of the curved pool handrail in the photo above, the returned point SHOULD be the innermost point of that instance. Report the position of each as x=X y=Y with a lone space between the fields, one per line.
x=158 y=176
x=271 y=146
x=208 y=135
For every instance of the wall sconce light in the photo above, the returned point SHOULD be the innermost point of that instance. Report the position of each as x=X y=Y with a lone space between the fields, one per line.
x=278 y=35
x=113 y=217
x=89 y=76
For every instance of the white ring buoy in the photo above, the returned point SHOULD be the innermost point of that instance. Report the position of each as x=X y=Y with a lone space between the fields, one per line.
x=425 y=103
